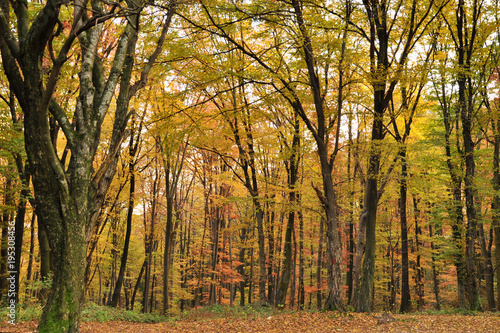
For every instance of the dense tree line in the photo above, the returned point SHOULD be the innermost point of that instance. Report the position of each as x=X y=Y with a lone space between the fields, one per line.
x=161 y=156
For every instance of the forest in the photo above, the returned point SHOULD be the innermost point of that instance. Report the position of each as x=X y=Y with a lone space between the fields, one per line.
x=161 y=156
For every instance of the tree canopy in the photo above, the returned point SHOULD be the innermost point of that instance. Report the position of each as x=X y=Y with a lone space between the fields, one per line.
x=161 y=156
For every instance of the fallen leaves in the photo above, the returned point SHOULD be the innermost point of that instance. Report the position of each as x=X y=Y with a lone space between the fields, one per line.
x=295 y=322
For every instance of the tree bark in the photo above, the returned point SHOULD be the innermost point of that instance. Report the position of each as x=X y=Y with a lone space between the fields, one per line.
x=130 y=209
x=319 y=266
x=405 y=281
x=435 y=273
x=495 y=205
x=292 y=167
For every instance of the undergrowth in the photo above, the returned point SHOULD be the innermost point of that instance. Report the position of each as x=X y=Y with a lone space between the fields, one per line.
x=97 y=313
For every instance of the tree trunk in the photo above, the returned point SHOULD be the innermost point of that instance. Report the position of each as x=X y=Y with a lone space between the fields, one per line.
x=45 y=257
x=271 y=292
x=29 y=273
x=137 y=283
x=62 y=310
x=292 y=168
x=301 y=301
x=7 y=232
x=419 y=283
x=405 y=281
x=435 y=274
x=367 y=225
x=287 y=261
x=466 y=108
x=363 y=295
x=150 y=243
x=495 y=205
x=487 y=268
x=130 y=209
x=241 y=268
x=319 y=265
x=294 y=271
x=350 y=245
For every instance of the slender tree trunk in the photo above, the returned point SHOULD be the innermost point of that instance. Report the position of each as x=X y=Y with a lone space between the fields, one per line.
x=301 y=301
x=271 y=292
x=418 y=267
x=29 y=273
x=137 y=284
x=262 y=250
x=319 y=265
x=250 y=280
x=457 y=223
x=435 y=274
x=114 y=256
x=496 y=202
x=294 y=272
x=150 y=244
x=133 y=148
x=487 y=268
x=167 y=253
x=241 y=268
x=350 y=245
x=231 y=281
x=292 y=167
x=405 y=281
x=287 y=261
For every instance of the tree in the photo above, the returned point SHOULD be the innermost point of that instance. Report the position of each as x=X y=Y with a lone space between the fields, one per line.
x=68 y=191
x=323 y=124
x=385 y=73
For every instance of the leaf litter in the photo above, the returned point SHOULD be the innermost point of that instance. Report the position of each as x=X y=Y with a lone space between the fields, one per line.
x=296 y=322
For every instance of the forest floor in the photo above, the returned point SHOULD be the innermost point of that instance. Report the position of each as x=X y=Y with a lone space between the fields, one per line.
x=295 y=322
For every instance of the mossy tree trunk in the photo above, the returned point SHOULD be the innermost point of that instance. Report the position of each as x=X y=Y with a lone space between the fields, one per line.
x=69 y=193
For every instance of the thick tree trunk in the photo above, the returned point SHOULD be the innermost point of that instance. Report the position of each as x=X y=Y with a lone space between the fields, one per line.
x=333 y=246
x=45 y=257
x=472 y=278
x=466 y=108
x=363 y=294
x=62 y=310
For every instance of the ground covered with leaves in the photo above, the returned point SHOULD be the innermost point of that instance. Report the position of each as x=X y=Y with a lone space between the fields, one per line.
x=202 y=321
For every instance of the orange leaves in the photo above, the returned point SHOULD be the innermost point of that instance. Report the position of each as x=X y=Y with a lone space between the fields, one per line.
x=202 y=320
x=301 y=322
